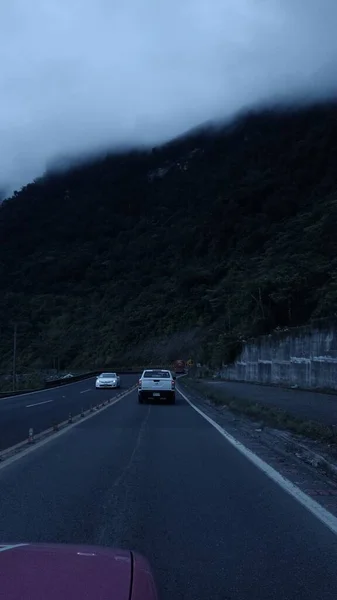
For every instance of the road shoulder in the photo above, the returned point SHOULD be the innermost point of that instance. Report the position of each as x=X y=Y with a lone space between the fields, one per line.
x=306 y=463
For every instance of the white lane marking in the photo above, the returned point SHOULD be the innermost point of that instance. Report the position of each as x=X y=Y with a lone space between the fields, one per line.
x=11 y=547
x=84 y=391
x=38 y=403
x=12 y=459
x=311 y=505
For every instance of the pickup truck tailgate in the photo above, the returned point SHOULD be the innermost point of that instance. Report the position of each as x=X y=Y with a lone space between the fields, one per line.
x=156 y=384
x=156 y=380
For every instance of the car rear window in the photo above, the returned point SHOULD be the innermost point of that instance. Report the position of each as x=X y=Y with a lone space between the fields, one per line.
x=158 y=374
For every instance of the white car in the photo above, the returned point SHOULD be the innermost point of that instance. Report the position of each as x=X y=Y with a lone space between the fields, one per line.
x=108 y=380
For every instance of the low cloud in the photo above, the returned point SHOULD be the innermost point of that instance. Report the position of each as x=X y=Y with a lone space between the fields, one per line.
x=80 y=76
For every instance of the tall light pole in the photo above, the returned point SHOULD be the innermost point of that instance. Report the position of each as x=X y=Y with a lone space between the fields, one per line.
x=14 y=355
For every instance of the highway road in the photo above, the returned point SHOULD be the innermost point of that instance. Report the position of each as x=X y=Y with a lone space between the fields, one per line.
x=39 y=410
x=163 y=481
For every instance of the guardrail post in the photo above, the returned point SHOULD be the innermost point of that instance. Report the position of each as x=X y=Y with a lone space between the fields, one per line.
x=70 y=418
x=31 y=435
x=334 y=431
x=55 y=426
x=82 y=412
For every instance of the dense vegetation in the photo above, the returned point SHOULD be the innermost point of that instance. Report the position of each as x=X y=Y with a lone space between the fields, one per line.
x=181 y=250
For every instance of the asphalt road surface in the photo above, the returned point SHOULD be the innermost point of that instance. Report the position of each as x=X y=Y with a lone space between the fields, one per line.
x=40 y=410
x=304 y=404
x=163 y=481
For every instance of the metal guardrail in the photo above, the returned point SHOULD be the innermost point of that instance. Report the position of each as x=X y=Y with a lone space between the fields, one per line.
x=60 y=382
x=48 y=385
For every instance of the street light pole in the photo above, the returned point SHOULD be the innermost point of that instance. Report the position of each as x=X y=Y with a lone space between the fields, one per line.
x=14 y=355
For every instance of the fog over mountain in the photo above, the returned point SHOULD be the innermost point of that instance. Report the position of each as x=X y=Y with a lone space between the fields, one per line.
x=83 y=76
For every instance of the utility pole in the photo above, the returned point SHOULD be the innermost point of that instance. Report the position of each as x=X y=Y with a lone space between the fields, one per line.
x=14 y=355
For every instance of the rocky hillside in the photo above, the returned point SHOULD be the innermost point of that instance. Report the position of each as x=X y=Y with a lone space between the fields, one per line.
x=182 y=250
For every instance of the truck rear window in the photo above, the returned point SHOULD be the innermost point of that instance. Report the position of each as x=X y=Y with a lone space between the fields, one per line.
x=157 y=374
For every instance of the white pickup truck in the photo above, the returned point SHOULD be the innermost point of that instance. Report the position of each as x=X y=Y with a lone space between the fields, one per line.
x=157 y=384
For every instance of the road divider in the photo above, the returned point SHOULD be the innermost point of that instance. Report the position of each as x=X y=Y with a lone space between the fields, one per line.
x=34 y=441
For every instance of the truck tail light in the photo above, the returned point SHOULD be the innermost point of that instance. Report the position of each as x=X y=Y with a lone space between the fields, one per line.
x=172 y=384
x=139 y=383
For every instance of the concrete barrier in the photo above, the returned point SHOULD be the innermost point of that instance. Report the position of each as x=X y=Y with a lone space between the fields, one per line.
x=304 y=357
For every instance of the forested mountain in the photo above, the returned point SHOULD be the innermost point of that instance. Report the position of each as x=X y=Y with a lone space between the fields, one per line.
x=181 y=250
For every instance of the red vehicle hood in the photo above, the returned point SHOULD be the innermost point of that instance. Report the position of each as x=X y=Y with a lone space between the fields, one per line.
x=66 y=572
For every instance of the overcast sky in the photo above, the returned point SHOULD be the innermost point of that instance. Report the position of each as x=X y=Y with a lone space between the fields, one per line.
x=82 y=75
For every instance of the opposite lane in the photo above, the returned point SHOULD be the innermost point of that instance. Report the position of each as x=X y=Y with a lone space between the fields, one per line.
x=40 y=410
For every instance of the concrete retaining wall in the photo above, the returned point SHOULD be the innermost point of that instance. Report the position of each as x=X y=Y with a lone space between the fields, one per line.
x=302 y=357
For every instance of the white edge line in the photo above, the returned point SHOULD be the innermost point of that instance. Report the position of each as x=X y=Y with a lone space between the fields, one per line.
x=311 y=505
x=54 y=436
x=84 y=391
x=11 y=547
x=39 y=403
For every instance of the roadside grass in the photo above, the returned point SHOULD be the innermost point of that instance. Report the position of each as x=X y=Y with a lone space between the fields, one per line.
x=266 y=415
